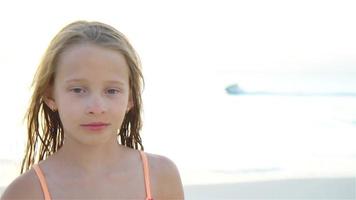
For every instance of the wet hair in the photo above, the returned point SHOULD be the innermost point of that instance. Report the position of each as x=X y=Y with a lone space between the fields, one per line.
x=44 y=126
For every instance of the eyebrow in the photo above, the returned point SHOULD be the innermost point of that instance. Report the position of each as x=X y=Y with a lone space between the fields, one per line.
x=85 y=80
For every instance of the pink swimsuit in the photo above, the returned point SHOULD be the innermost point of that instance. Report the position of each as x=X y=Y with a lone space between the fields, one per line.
x=47 y=195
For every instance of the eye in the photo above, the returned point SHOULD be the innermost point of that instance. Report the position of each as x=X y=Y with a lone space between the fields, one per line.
x=78 y=90
x=112 y=91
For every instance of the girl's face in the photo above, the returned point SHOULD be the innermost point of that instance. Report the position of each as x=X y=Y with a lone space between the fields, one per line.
x=91 y=93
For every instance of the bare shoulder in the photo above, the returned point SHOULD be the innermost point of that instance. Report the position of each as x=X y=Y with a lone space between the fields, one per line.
x=25 y=186
x=165 y=178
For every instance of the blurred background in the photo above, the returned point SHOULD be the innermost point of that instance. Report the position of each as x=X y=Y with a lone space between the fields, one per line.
x=251 y=99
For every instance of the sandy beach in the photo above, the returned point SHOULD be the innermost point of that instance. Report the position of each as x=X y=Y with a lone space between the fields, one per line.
x=313 y=188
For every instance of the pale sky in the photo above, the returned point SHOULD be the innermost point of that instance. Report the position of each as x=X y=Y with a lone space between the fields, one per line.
x=187 y=48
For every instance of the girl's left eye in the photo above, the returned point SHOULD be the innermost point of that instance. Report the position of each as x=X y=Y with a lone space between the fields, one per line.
x=112 y=91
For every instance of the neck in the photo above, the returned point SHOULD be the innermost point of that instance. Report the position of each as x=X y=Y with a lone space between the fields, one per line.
x=90 y=159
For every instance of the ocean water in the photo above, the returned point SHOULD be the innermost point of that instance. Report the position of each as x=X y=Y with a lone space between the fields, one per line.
x=289 y=136
x=277 y=146
x=317 y=124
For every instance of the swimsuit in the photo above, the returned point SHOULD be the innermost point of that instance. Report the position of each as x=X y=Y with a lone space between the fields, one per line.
x=47 y=195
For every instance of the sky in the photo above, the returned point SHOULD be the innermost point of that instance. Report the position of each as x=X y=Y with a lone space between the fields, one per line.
x=190 y=51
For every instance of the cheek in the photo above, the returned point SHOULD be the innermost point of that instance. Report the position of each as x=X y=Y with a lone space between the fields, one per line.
x=68 y=116
x=119 y=110
x=68 y=112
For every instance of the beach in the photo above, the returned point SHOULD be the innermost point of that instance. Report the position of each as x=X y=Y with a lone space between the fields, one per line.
x=310 y=188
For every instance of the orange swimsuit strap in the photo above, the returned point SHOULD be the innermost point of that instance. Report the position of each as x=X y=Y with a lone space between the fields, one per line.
x=146 y=172
x=43 y=183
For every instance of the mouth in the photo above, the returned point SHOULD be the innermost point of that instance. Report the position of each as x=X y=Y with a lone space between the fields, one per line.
x=95 y=126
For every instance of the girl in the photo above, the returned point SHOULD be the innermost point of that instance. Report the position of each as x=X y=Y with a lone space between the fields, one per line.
x=83 y=124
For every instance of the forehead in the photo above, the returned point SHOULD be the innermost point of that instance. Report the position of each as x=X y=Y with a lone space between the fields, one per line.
x=91 y=62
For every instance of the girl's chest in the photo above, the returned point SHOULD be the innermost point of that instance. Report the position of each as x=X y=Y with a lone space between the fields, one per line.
x=129 y=186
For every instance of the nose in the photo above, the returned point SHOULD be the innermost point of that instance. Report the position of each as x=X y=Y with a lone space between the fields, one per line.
x=96 y=105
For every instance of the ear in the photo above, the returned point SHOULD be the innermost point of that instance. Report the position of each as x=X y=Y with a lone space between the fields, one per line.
x=49 y=100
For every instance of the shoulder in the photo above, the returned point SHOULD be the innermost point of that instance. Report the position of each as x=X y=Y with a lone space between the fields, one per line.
x=25 y=186
x=165 y=178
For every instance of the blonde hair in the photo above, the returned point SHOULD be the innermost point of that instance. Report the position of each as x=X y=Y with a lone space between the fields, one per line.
x=45 y=129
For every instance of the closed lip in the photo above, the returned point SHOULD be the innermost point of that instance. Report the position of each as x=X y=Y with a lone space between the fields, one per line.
x=93 y=124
